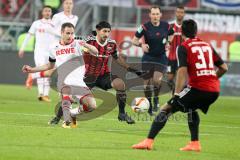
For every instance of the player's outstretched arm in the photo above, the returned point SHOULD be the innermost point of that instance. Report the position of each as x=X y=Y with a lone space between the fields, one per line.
x=89 y=48
x=136 y=42
x=180 y=79
x=122 y=62
x=144 y=46
x=29 y=69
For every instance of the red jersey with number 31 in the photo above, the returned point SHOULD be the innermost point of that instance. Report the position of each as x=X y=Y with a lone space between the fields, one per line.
x=200 y=58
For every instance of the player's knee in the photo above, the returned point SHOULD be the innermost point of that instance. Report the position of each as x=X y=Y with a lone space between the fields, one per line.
x=167 y=108
x=66 y=90
x=156 y=81
x=118 y=84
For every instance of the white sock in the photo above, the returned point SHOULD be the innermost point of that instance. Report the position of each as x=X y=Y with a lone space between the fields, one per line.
x=66 y=105
x=40 y=84
x=36 y=75
x=46 y=86
x=75 y=111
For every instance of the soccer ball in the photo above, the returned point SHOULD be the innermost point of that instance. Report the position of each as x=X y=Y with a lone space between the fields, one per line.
x=140 y=104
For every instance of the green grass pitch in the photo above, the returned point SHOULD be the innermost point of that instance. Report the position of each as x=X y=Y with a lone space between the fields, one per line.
x=25 y=134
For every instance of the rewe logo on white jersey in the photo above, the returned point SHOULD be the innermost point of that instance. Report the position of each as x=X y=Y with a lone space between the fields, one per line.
x=65 y=51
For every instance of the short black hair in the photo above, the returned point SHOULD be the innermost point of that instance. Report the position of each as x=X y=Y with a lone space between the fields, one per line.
x=180 y=7
x=64 y=25
x=46 y=6
x=189 y=28
x=103 y=24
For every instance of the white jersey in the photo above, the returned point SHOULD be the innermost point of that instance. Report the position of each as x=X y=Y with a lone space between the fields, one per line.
x=69 y=62
x=60 y=18
x=38 y=28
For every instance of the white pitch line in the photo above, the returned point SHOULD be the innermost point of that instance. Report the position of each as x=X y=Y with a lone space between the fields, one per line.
x=111 y=119
x=182 y=124
x=107 y=130
x=163 y=132
x=26 y=114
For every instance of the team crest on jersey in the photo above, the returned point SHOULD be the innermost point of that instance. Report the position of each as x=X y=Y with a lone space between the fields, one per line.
x=109 y=48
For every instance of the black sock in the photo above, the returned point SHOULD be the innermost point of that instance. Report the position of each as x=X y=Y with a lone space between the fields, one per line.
x=148 y=95
x=158 y=124
x=156 y=91
x=121 y=99
x=59 y=112
x=193 y=124
x=156 y=101
x=156 y=94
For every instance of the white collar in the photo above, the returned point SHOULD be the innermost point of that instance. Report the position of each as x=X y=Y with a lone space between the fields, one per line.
x=102 y=45
x=178 y=25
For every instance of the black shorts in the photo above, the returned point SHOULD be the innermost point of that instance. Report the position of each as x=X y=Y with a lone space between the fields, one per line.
x=172 y=66
x=104 y=82
x=152 y=64
x=191 y=99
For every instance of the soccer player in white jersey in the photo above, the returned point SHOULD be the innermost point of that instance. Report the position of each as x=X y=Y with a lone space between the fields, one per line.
x=41 y=51
x=63 y=55
x=57 y=20
x=64 y=16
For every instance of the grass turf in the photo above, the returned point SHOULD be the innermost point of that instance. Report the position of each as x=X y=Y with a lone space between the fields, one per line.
x=25 y=134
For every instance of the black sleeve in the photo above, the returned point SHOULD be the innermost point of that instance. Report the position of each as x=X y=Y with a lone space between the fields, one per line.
x=52 y=60
x=115 y=55
x=140 y=31
x=217 y=59
x=182 y=56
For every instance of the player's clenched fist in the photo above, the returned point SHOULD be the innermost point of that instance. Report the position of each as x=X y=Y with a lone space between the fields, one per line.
x=145 y=48
x=27 y=69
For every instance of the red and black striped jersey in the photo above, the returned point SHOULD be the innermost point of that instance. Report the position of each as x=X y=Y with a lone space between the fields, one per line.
x=177 y=40
x=98 y=65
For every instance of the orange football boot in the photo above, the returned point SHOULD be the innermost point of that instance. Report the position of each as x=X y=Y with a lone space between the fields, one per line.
x=145 y=144
x=192 y=146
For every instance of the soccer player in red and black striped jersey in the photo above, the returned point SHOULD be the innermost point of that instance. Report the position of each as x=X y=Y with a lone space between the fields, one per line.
x=97 y=72
x=197 y=61
x=175 y=41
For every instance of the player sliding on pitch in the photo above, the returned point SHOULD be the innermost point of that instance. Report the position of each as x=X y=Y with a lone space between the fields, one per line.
x=69 y=51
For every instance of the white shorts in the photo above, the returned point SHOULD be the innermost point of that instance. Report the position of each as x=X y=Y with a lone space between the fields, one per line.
x=73 y=83
x=41 y=57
